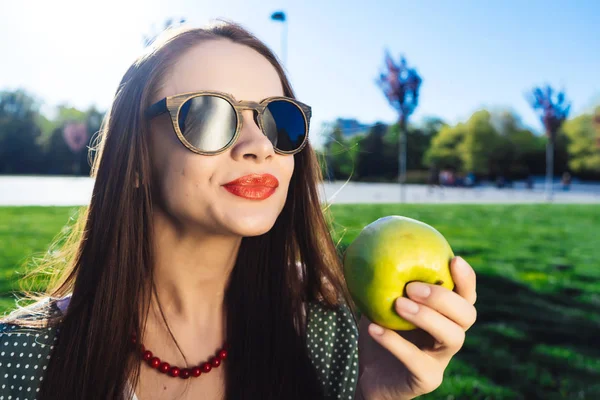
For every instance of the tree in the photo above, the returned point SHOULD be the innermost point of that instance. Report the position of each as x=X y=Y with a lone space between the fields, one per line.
x=443 y=152
x=400 y=84
x=584 y=155
x=519 y=149
x=370 y=155
x=479 y=145
x=490 y=144
x=340 y=154
x=61 y=156
x=19 y=152
x=418 y=141
x=552 y=112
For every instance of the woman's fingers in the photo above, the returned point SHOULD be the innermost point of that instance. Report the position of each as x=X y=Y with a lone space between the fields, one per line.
x=447 y=333
x=446 y=302
x=464 y=278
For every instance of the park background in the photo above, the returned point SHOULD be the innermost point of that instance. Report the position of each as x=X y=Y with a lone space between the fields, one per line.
x=487 y=90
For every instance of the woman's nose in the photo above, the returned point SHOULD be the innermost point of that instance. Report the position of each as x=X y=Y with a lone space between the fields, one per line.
x=252 y=143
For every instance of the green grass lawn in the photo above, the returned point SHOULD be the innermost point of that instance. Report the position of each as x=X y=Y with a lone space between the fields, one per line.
x=538 y=330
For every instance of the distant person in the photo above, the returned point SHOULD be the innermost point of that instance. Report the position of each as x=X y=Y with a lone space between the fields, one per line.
x=566 y=181
x=452 y=178
x=529 y=182
x=470 y=179
x=204 y=267
x=433 y=178
x=500 y=182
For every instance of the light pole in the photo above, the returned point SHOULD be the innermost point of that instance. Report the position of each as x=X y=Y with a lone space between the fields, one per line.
x=281 y=17
x=401 y=85
x=552 y=114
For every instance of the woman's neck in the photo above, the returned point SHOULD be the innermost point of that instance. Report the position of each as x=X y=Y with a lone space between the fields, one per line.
x=191 y=273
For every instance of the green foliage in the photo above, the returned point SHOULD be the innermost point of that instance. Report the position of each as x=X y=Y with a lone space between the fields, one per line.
x=443 y=152
x=491 y=144
x=340 y=155
x=418 y=140
x=479 y=144
x=19 y=153
x=525 y=150
x=369 y=161
x=583 y=150
x=31 y=143
x=374 y=156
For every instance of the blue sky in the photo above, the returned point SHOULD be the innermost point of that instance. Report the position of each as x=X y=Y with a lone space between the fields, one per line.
x=471 y=54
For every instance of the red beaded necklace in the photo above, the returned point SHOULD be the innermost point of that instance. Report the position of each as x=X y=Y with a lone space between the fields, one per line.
x=184 y=373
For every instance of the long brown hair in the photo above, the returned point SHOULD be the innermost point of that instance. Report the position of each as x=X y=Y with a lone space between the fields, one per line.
x=107 y=260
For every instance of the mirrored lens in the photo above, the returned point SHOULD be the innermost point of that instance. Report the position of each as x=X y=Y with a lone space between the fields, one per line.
x=207 y=122
x=284 y=125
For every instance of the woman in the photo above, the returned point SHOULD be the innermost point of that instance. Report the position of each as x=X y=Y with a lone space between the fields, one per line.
x=203 y=267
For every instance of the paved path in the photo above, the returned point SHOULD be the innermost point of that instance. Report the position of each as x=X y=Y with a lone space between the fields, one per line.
x=69 y=191
x=356 y=192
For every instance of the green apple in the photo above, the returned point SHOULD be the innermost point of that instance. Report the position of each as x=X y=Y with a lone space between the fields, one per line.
x=388 y=254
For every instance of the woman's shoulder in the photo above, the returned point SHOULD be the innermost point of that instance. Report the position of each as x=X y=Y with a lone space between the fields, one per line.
x=26 y=333
x=322 y=316
x=26 y=344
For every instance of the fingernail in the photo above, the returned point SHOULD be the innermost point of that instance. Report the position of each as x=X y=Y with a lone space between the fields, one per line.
x=407 y=305
x=418 y=289
x=463 y=265
x=376 y=329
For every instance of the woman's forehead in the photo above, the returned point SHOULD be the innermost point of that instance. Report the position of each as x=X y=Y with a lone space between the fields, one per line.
x=223 y=66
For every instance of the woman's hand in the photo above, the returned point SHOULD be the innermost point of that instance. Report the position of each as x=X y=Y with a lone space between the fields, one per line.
x=404 y=365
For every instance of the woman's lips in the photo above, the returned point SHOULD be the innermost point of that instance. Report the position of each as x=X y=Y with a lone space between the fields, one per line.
x=253 y=187
x=251 y=192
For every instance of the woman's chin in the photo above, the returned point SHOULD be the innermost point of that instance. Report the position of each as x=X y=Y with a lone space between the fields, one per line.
x=248 y=226
x=255 y=231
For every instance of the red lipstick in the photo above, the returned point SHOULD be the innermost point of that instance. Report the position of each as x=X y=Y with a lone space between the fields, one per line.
x=253 y=187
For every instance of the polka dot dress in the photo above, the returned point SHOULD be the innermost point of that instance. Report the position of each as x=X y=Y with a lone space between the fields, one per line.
x=333 y=348
x=24 y=355
x=332 y=339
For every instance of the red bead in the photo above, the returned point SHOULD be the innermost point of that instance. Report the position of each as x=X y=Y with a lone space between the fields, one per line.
x=222 y=354
x=196 y=372
x=206 y=367
x=164 y=367
x=147 y=355
x=215 y=362
x=174 y=372
x=185 y=373
x=154 y=362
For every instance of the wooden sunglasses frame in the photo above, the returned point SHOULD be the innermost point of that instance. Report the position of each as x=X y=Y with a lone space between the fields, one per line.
x=172 y=105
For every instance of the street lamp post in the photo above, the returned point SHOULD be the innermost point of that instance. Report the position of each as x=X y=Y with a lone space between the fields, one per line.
x=552 y=114
x=401 y=85
x=281 y=17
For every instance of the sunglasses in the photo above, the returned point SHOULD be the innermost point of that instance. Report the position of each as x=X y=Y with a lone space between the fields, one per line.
x=208 y=122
